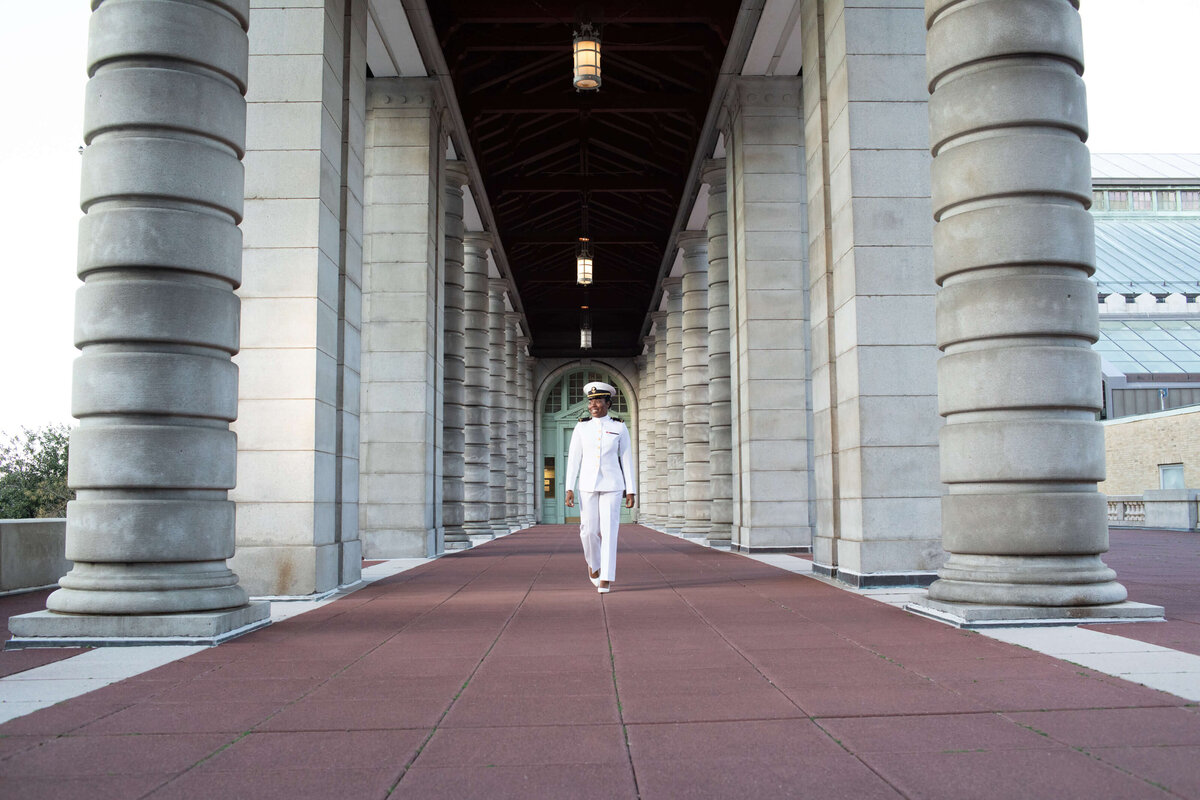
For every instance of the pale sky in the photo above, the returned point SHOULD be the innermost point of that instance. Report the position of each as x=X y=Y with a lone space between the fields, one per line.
x=1140 y=57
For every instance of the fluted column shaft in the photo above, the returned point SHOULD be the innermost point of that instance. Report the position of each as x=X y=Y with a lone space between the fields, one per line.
x=673 y=287
x=512 y=401
x=156 y=318
x=647 y=418
x=533 y=486
x=525 y=476
x=696 y=491
x=639 y=430
x=1018 y=382
x=477 y=427
x=497 y=386
x=454 y=409
x=720 y=438
x=661 y=480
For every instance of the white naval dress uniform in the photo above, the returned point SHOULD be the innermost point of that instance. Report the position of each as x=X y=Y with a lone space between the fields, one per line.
x=601 y=459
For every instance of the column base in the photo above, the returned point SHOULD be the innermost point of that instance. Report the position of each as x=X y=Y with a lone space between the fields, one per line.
x=874 y=580
x=52 y=629
x=971 y=615
x=738 y=547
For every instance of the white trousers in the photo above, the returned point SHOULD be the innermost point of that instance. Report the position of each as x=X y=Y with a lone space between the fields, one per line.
x=599 y=517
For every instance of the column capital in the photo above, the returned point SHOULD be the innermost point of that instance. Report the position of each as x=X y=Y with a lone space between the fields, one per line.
x=478 y=241
x=671 y=285
x=692 y=243
x=713 y=173
x=657 y=317
x=497 y=285
x=457 y=174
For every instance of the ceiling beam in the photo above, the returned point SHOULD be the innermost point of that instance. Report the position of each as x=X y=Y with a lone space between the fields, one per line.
x=585 y=183
x=654 y=236
x=566 y=102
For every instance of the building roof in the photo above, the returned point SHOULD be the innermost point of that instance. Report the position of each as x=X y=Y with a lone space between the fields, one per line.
x=1133 y=346
x=1156 y=168
x=1156 y=256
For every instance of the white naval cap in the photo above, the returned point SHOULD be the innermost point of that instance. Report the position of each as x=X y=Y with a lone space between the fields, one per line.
x=599 y=389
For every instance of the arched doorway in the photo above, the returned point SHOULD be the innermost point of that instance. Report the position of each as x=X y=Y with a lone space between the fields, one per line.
x=564 y=405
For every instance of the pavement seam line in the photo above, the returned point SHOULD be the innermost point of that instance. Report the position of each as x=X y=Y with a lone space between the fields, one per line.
x=637 y=792
x=400 y=630
x=700 y=615
x=458 y=694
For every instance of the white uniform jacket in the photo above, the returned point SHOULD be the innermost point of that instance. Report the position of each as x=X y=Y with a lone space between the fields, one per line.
x=601 y=457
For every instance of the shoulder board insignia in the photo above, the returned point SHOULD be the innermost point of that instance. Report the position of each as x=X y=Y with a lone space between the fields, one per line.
x=614 y=419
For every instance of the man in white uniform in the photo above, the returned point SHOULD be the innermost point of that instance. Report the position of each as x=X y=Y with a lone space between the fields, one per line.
x=601 y=459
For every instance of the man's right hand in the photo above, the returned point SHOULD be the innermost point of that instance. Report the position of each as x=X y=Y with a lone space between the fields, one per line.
x=570 y=499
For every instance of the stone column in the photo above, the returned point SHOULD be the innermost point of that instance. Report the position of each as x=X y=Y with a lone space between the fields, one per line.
x=403 y=325
x=526 y=477
x=533 y=419
x=498 y=430
x=662 y=504
x=673 y=288
x=512 y=401
x=697 y=495
x=769 y=408
x=871 y=294
x=478 y=439
x=157 y=320
x=1021 y=451
x=453 y=405
x=647 y=415
x=638 y=432
x=719 y=433
x=301 y=293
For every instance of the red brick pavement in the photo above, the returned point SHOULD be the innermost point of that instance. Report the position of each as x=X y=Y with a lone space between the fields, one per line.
x=500 y=672
x=1160 y=567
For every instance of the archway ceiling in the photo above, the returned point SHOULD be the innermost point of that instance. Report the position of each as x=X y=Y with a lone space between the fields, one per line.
x=544 y=150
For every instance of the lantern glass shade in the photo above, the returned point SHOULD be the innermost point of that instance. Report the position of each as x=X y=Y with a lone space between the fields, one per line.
x=585 y=339
x=585 y=328
x=586 y=60
x=583 y=263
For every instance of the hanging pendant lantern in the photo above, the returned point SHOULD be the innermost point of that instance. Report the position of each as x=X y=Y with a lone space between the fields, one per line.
x=583 y=262
x=585 y=328
x=586 y=52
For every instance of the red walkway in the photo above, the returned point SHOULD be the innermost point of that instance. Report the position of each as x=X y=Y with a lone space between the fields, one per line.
x=500 y=672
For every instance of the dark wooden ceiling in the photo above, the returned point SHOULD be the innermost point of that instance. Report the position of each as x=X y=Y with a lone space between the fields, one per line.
x=549 y=155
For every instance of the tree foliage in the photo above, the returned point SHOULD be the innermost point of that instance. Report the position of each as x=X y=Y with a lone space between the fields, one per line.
x=33 y=473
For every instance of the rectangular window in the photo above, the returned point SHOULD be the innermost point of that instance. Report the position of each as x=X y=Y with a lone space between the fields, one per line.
x=1143 y=201
x=1118 y=201
x=1170 y=476
x=548 y=478
x=1189 y=201
x=1098 y=201
x=1168 y=201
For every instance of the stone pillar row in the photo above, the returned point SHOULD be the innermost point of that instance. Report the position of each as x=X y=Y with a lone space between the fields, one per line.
x=684 y=430
x=488 y=413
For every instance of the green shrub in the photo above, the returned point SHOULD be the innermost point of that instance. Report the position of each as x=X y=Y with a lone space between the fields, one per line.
x=33 y=473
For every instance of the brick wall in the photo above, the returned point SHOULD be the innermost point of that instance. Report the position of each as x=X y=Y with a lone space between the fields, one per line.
x=1135 y=446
